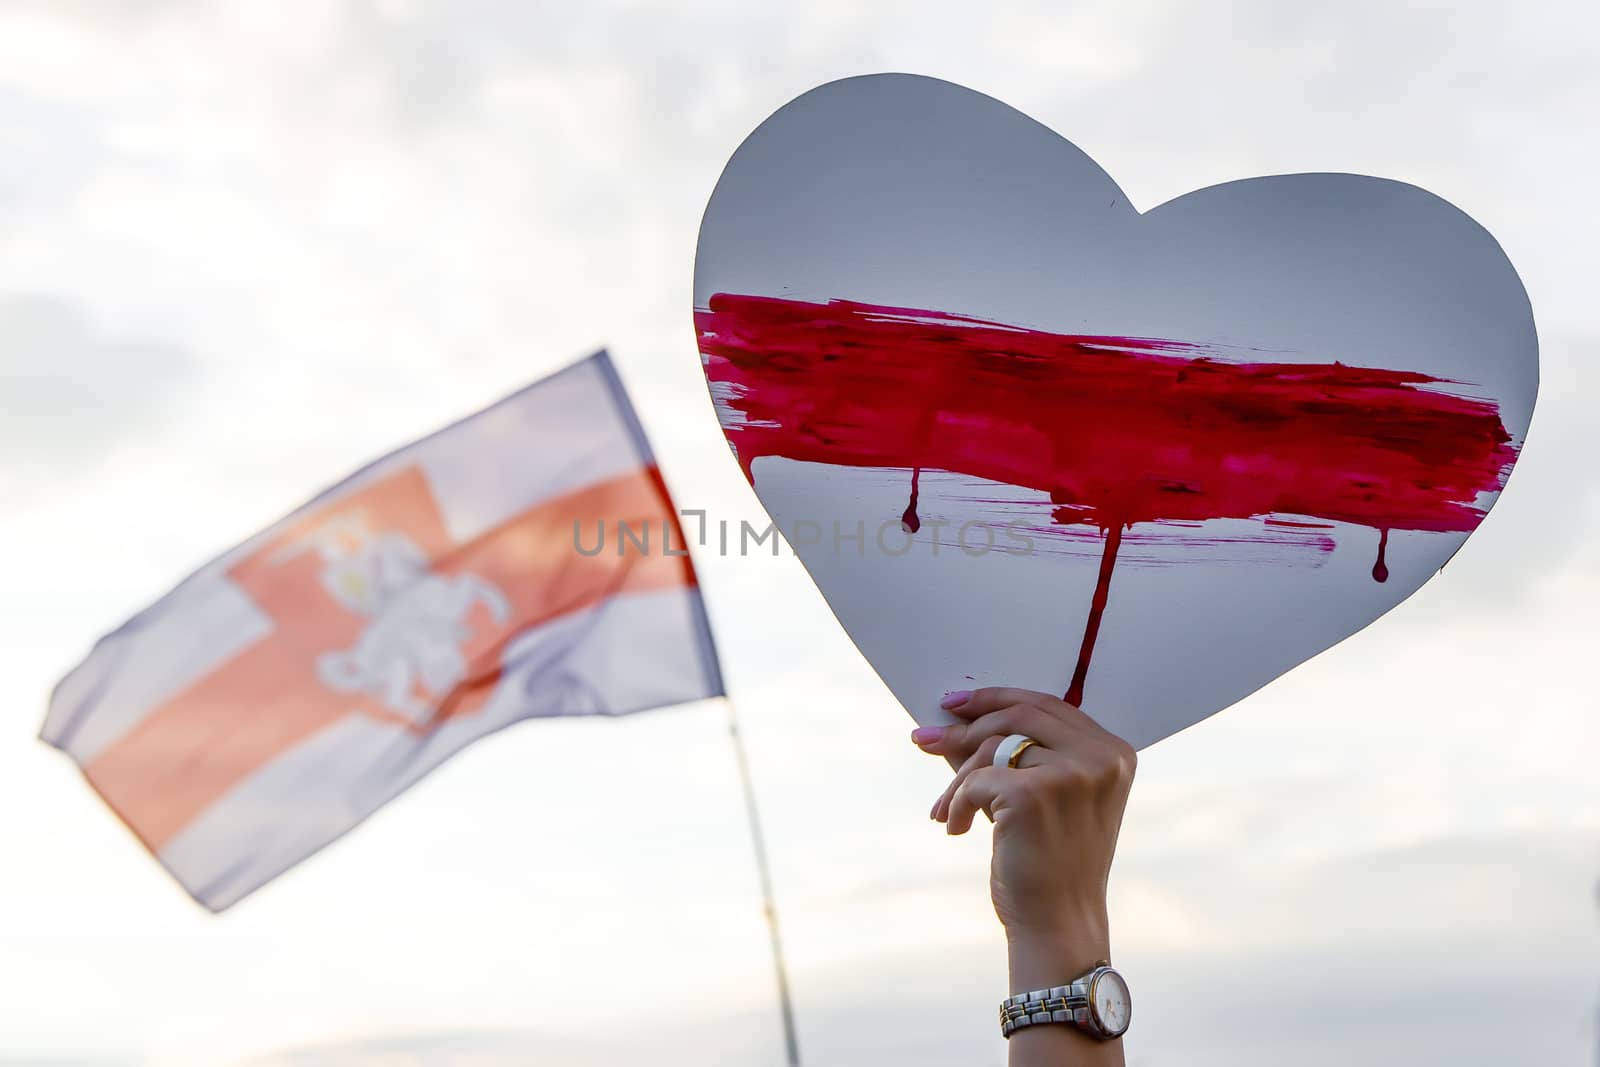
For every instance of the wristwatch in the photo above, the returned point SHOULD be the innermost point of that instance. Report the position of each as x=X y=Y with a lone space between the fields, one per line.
x=1096 y=1003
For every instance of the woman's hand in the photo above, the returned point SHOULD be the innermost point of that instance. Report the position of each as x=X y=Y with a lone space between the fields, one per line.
x=1056 y=819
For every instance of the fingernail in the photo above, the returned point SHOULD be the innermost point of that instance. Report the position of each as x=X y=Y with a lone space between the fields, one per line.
x=926 y=735
x=955 y=698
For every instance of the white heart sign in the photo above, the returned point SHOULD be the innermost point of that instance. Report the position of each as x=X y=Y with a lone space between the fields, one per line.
x=1021 y=433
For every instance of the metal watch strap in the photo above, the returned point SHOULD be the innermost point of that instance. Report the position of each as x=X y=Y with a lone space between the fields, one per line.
x=1059 y=1004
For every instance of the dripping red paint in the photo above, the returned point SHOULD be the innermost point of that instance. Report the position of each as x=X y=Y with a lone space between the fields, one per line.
x=910 y=521
x=1116 y=430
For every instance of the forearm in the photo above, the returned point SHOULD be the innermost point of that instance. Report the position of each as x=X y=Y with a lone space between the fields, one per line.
x=1055 y=784
x=1039 y=962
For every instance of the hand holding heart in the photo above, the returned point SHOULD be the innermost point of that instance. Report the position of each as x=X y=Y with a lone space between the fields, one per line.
x=1056 y=814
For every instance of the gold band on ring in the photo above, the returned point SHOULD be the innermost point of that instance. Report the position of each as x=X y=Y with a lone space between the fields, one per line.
x=1010 y=749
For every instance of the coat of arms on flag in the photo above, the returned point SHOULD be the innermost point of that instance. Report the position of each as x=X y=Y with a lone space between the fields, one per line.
x=292 y=686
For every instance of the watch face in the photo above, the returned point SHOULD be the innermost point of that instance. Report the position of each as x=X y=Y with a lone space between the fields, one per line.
x=1112 y=1005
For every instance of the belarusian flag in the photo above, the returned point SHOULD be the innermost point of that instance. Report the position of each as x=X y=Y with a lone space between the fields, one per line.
x=526 y=561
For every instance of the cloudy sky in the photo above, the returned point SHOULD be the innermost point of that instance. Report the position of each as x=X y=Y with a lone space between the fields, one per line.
x=244 y=247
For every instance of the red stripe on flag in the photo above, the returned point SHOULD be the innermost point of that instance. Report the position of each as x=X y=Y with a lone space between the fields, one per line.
x=191 y=750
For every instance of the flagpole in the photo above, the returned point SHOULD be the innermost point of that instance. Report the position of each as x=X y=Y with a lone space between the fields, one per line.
x=768 y=902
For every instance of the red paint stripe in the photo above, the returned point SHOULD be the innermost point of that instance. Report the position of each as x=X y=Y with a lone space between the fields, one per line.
x=1116 y=430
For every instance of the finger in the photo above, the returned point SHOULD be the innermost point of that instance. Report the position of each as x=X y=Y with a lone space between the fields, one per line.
x=984 y=701
x=1032 y=756
x=983 y=757
x=985 y=789
x=960 y=739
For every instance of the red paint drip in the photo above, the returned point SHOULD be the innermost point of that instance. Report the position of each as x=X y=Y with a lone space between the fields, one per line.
x=1097 y=608
x=1116 y=430
x=1380 y=569
x=910 y=521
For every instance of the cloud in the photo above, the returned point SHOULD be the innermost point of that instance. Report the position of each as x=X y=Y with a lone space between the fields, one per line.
x=1394 y=956
x=70 y=394
x=1421 y=931
x=622 y=1033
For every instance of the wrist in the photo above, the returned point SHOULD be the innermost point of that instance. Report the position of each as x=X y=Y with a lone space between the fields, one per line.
x=1043 y=957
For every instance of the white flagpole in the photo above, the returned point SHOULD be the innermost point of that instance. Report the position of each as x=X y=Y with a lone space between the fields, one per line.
x=768 y=903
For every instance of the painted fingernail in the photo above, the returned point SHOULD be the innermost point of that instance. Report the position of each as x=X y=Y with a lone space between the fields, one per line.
x=926 y=735
x=955 y=698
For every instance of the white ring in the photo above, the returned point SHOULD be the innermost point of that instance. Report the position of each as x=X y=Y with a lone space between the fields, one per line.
x=1011 y=748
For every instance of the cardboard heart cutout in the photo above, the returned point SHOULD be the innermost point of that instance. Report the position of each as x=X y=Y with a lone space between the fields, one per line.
x=1020 y=433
